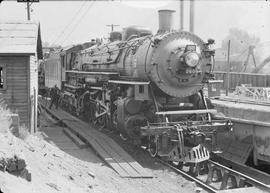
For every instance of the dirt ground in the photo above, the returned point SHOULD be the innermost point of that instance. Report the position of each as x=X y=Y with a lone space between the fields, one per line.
x=58 y=165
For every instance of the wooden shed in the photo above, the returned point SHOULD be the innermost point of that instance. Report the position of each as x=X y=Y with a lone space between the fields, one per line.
x=20 y=50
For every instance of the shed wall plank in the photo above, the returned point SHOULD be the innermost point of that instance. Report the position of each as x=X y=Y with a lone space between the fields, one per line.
x=16 y=80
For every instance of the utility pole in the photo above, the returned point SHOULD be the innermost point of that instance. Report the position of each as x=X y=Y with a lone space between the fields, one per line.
x=28 y=11
x=191 y=16
x=228 y=68
x=181 y=15
x=28 y=6
x=112 y=26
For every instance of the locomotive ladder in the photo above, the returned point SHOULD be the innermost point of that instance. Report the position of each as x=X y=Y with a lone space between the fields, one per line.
x=104 y=146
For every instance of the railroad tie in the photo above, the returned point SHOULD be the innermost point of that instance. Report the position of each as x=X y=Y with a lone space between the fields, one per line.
x=213 y=169
x=197 y=169
x=243 y=183
x=200 y=168
x=210 y=174
x=226 y=177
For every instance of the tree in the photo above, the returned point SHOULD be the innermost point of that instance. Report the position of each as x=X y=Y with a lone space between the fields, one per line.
x=239 y=50
x=240 y=40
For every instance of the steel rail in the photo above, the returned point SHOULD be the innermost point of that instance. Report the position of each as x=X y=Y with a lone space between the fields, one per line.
x=201 y=183
x=255 y=183
x=252 y=180
x=248 y=172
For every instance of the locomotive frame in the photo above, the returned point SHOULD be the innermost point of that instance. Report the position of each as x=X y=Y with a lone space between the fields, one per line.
x=148 y=88
x=160 y=138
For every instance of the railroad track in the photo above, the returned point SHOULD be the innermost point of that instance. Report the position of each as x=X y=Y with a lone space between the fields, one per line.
x=215 y=177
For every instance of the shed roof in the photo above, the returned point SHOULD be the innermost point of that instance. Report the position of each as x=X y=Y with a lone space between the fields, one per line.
x=20 y=37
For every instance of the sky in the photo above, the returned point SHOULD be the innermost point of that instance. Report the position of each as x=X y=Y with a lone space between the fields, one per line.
x=72 y=22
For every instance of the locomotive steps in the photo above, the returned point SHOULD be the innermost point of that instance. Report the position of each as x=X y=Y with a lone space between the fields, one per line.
x=104 y=146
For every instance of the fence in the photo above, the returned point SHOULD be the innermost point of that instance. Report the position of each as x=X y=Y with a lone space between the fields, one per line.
x=238 y=78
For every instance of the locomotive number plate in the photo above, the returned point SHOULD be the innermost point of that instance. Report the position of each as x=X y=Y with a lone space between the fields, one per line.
x=190 y=48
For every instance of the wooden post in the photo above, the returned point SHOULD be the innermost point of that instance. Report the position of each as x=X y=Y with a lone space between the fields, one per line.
x=228 y=69
x=35 y=110
x=255 y=152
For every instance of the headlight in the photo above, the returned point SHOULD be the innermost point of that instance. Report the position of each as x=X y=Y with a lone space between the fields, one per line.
x=192 y=59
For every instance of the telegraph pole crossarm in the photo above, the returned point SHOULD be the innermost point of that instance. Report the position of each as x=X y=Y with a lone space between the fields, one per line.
x=112 y=26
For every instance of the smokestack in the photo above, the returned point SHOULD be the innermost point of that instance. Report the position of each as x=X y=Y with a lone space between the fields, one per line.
x=165 y=20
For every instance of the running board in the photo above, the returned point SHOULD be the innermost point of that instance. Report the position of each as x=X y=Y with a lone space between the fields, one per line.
x=187 y=112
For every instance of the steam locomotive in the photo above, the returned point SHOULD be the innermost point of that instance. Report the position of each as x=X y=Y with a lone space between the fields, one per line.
x=148 y=87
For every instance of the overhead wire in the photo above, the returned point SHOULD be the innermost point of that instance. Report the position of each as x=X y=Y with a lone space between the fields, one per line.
x=234 y=55
x=81 y=18
x=69 y=23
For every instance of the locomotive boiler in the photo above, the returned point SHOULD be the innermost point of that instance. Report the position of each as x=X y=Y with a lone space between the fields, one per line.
x=149 y=88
